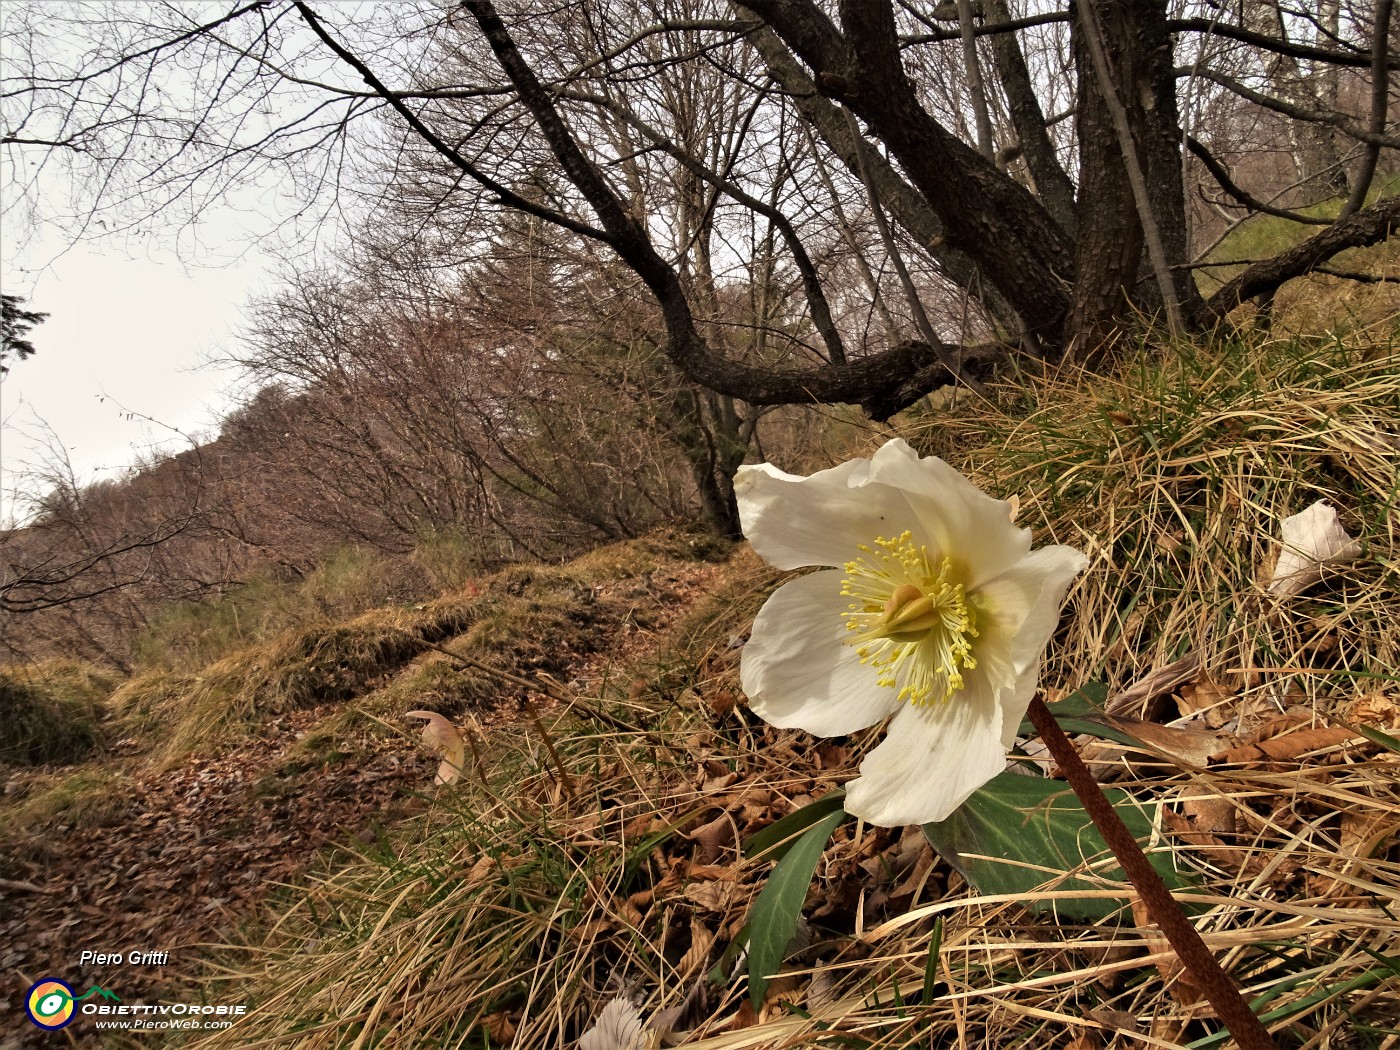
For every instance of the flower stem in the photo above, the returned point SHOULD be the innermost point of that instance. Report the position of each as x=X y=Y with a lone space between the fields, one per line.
x=1248 y=1031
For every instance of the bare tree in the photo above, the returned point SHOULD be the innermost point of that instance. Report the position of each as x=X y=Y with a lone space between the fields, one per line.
x=810 y=120
x=15 y=323
x=91 y=561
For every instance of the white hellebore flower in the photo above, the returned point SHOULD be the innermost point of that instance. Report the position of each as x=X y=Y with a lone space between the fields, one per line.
x=937 y=612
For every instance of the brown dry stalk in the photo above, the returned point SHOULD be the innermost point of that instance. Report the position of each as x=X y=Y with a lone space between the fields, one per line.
x=565 y=781
x=1247 y=1030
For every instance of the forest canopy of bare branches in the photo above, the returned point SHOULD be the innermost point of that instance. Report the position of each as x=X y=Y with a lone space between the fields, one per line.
x=554 y=274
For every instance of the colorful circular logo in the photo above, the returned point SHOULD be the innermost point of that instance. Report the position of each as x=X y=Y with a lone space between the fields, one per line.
x=50 y=1004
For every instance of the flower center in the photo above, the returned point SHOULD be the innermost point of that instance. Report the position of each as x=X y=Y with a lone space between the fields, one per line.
x=908 y=619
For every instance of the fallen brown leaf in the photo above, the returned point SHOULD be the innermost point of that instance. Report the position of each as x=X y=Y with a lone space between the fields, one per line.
x=712 y=896
x=618 y=1026
x=745 y=1017
x=1378 y=710
x=714 y=839
x=500 y=1027
x=697 y=956
x=1146 y=697
x=1206 y=696
x=1285 y=748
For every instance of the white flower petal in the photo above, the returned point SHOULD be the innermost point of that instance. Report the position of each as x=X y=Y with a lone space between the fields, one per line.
x=793 y=521
x=932 y=759
x=946 y=589
x=1015 y=701
x=796 y=669
x=1020 y=609
x=953 y=515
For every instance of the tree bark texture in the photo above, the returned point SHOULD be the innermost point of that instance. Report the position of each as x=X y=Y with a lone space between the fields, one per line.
x=1110 y=269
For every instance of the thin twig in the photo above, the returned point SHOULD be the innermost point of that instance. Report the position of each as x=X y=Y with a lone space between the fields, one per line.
x=1248 y=1031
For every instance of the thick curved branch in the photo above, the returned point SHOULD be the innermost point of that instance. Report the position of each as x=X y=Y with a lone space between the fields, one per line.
x=1367 y=227
x=1016 y=245
x=1356 y=59
x=1221 y=175
x=1312 y=116
x=871 y=382
x=1333 y=56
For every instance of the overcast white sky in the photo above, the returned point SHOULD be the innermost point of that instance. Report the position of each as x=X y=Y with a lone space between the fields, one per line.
x=127 y=334
x=135 y=319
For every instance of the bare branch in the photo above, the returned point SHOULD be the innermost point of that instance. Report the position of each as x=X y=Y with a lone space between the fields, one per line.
x=1288 y=109
x=1221 y=175
x=507 y=195
x=1368 y=226
x=1380 y=107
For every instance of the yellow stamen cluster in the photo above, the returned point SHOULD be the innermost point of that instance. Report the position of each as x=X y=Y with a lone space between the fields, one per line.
x=909 y=622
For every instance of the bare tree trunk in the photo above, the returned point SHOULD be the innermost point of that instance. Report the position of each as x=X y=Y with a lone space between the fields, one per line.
x=1051 y=182
x=714 y=449
x=1138 y=68
x=905 y=204
x=1014 y=243
x=977 y=93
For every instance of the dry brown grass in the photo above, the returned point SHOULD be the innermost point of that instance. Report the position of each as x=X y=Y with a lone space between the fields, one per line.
x=515 y=910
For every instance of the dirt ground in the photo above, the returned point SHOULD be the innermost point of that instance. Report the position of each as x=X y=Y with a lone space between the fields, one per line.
x=177 y=861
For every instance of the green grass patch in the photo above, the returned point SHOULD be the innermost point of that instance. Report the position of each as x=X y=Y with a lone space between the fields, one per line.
x=1174 y=475
x=51 y=712
x=86 y=797
x=530 y=618
x=349 y=582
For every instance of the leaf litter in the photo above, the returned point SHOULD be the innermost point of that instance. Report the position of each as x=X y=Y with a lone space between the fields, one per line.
x=515 y=913
x=181 y=856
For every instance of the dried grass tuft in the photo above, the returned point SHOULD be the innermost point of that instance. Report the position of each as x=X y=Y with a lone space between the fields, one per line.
x=515 y=911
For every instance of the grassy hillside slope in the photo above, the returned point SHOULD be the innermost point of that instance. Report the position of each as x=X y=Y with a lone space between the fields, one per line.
x=593 y=847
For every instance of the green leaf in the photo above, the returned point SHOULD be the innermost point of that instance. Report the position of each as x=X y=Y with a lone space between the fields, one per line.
x=773 y=919
x=1082 y=712
x=777 y=838
x=723 y=970
x=935 y=945
x=1384 y=739
x=1017 y=832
